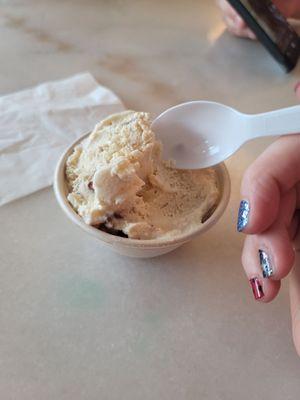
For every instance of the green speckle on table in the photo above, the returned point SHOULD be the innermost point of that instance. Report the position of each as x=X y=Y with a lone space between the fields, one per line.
x=81 y=292
x=148 y=333
x=142 y=344
x=153 y=320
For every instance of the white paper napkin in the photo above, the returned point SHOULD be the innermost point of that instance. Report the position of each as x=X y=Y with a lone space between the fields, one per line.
x=37 y=124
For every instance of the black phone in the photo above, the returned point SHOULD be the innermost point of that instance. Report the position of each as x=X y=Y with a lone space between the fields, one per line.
x=271 y=29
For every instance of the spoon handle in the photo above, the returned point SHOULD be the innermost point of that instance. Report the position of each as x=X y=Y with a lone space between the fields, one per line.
x=285 y=121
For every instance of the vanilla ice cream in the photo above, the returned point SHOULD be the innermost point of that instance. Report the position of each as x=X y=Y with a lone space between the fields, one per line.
x=119 y=183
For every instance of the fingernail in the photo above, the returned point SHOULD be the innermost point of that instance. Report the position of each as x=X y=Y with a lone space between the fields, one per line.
x=256 y=288
x=243 y=215
x=297 y=87
x=265 y=264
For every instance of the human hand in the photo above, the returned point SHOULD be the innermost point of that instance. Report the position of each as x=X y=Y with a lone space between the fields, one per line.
x=234 y=22
x=270 y=216
x=236 y=25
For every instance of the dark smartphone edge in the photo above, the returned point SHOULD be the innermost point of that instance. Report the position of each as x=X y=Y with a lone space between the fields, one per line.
x=288 y=61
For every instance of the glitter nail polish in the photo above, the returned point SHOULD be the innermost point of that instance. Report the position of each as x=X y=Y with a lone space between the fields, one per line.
x=265 y=264
x=243 y=215
x=256 y=288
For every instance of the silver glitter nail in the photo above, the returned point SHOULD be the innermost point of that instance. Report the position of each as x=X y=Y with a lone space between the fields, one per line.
x=265 y=264
x=243 y=215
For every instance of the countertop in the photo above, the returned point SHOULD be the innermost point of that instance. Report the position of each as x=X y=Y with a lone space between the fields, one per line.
x=79 y=322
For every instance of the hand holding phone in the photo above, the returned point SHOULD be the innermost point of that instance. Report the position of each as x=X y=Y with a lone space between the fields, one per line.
x=271 y=29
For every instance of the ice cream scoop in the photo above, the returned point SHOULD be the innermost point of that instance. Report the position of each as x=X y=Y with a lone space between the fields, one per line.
x=119 y=183
x=200 y=134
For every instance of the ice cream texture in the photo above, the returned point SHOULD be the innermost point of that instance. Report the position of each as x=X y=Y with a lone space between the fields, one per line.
x=119 y=183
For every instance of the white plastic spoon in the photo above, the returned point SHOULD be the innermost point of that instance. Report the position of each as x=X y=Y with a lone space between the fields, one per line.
x=199 y=134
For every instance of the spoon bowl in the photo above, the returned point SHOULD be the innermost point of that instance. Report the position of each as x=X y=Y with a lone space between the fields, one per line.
x=200 y=134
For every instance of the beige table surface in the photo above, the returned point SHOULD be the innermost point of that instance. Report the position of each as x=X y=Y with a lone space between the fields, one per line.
x=80 y=322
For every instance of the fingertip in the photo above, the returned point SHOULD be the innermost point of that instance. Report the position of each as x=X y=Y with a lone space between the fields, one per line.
x=264 y=291
x=275 y=253
x=236 y=25
x=251 y=35
x=263 y=288
x=261 y=192
x=255 y=215
x=270 y=290
x=265 y=273
x=239 y=22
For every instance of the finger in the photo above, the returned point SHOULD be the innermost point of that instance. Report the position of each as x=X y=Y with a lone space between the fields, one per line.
x=241 y=27
x=272 y=175
x=237 y=30
x=289 y=9
x=295 y=304
x=270 y=256
x=234 y=21
x=264 y=290
x=226 y=8
x=251 y=35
